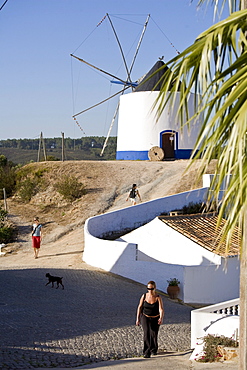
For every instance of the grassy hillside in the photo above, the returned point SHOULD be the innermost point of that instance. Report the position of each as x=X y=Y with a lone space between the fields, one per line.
x=107 y=184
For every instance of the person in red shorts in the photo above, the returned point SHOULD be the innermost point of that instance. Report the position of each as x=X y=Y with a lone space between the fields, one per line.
x=36 y=236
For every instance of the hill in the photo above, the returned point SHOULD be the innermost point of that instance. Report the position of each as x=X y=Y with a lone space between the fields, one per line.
x=107 y=184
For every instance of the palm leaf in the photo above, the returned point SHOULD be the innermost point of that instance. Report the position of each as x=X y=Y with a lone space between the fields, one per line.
x=215 y=69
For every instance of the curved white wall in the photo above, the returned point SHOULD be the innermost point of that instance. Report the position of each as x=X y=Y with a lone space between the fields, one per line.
x=139 y=130
x=204 y=276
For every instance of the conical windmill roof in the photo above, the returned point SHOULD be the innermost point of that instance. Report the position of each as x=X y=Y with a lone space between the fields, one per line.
x=152 y=80
x=153 y=83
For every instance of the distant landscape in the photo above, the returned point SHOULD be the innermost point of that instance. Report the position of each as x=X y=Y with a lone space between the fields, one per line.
x=22 y=151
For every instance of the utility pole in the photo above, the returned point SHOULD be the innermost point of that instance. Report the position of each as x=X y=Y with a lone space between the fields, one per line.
x=41 y=142
x=62 y=146
x=38 y=159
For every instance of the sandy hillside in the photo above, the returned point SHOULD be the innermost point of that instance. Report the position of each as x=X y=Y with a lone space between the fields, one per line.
x=107 y=184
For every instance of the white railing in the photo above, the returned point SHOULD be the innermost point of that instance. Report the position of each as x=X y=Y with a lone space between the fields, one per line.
x=204 y=317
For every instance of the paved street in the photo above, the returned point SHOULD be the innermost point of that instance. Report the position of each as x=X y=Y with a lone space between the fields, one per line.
x=92 y=319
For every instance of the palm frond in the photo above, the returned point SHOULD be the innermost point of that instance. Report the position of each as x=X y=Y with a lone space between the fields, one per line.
x=215 y=69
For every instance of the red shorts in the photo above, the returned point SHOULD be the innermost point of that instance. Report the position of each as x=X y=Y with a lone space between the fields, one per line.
x=36 y=241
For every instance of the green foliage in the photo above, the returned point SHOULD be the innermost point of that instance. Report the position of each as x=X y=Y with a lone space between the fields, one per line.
x=3 y=215
x=173 y=282
x=193 y=208
x=52 y=158
x=211 y=342
x=27 y=188
x=7 y=176
x=214 y=68
x=86 y=148
x=70 y=188
x=29 y=182
x=3 y=160
x=39 y=173
x=7 y=234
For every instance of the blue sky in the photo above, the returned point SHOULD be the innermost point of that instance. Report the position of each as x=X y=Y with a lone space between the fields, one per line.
x=42 y=86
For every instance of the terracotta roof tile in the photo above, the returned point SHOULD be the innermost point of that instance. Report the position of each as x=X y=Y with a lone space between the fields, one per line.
x=202 y=229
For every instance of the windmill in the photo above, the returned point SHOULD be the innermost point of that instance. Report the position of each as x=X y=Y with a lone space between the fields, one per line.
x=127 y=83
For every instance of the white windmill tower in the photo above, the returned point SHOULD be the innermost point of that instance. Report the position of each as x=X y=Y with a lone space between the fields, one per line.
x=127 y=83
x=140 y=135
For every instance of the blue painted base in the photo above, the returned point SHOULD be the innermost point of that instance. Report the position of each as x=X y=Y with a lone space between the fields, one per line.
x=182 y=153
x=132 y=155
x=143 y=155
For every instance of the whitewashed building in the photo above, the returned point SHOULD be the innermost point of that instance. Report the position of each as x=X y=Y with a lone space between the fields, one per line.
x=158 y=249
x=139 y=130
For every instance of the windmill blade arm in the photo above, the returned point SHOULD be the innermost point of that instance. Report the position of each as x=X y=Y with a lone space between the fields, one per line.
x=120 y=47
x=101 y=102
x=132 y=84
x=139 y=43
x=109 y=131
x=98 y=69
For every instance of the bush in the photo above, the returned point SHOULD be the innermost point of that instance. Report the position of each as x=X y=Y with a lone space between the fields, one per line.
x=52 y=158
x=70 y=188
x=29 y=182
x=211 y=342
x=3 y=215
x=27 y=189
x=7 y=234
x=7 y=176
x=193 y=208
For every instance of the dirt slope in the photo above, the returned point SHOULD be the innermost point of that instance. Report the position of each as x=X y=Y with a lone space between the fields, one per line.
x=107 y=183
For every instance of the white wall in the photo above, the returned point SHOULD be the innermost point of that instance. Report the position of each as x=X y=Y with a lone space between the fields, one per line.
x=163 y=243
x=139 y=129
x=135 y=216
x=202 y=318
x=199 y=284
x=120 y=258
x=215 y=283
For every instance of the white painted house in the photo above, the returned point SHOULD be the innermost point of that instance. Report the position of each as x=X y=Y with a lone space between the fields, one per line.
x=139 y=130
x=162 y=248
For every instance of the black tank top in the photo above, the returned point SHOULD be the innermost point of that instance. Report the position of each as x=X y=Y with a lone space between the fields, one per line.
x=150 y=309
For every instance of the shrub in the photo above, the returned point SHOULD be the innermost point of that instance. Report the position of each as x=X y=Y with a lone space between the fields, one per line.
x=3 y=215
x=27 y=189
x=7 y=176
x=173 y=282
x=7 y=234
x=70 y=188
x=29 y=182
x=211 y=342
x=193 y=208
x=52 y=158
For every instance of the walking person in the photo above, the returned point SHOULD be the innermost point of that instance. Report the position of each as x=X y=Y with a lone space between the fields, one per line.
x=36 y=236
x=134 y=192
x=150 y=313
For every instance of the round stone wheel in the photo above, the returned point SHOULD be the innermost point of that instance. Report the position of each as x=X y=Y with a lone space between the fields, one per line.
x=156 y=154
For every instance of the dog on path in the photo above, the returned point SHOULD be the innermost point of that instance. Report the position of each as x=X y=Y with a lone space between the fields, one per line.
x=54 y=279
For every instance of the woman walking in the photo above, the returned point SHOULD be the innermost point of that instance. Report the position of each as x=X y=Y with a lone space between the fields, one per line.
x=36 y=236
x=150 y=313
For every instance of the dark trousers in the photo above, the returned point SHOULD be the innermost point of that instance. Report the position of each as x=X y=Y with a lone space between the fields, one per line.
x=150 y=328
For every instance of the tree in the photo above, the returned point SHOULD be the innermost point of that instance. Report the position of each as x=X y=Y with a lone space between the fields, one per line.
x=215 y=69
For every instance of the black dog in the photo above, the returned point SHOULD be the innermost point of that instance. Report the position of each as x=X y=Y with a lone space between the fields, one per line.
x=54 y=279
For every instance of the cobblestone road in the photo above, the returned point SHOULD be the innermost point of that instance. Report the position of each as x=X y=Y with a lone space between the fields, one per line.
x=92 y=319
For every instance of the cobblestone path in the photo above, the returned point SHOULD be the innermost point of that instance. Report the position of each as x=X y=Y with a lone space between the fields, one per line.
x=92 y=319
